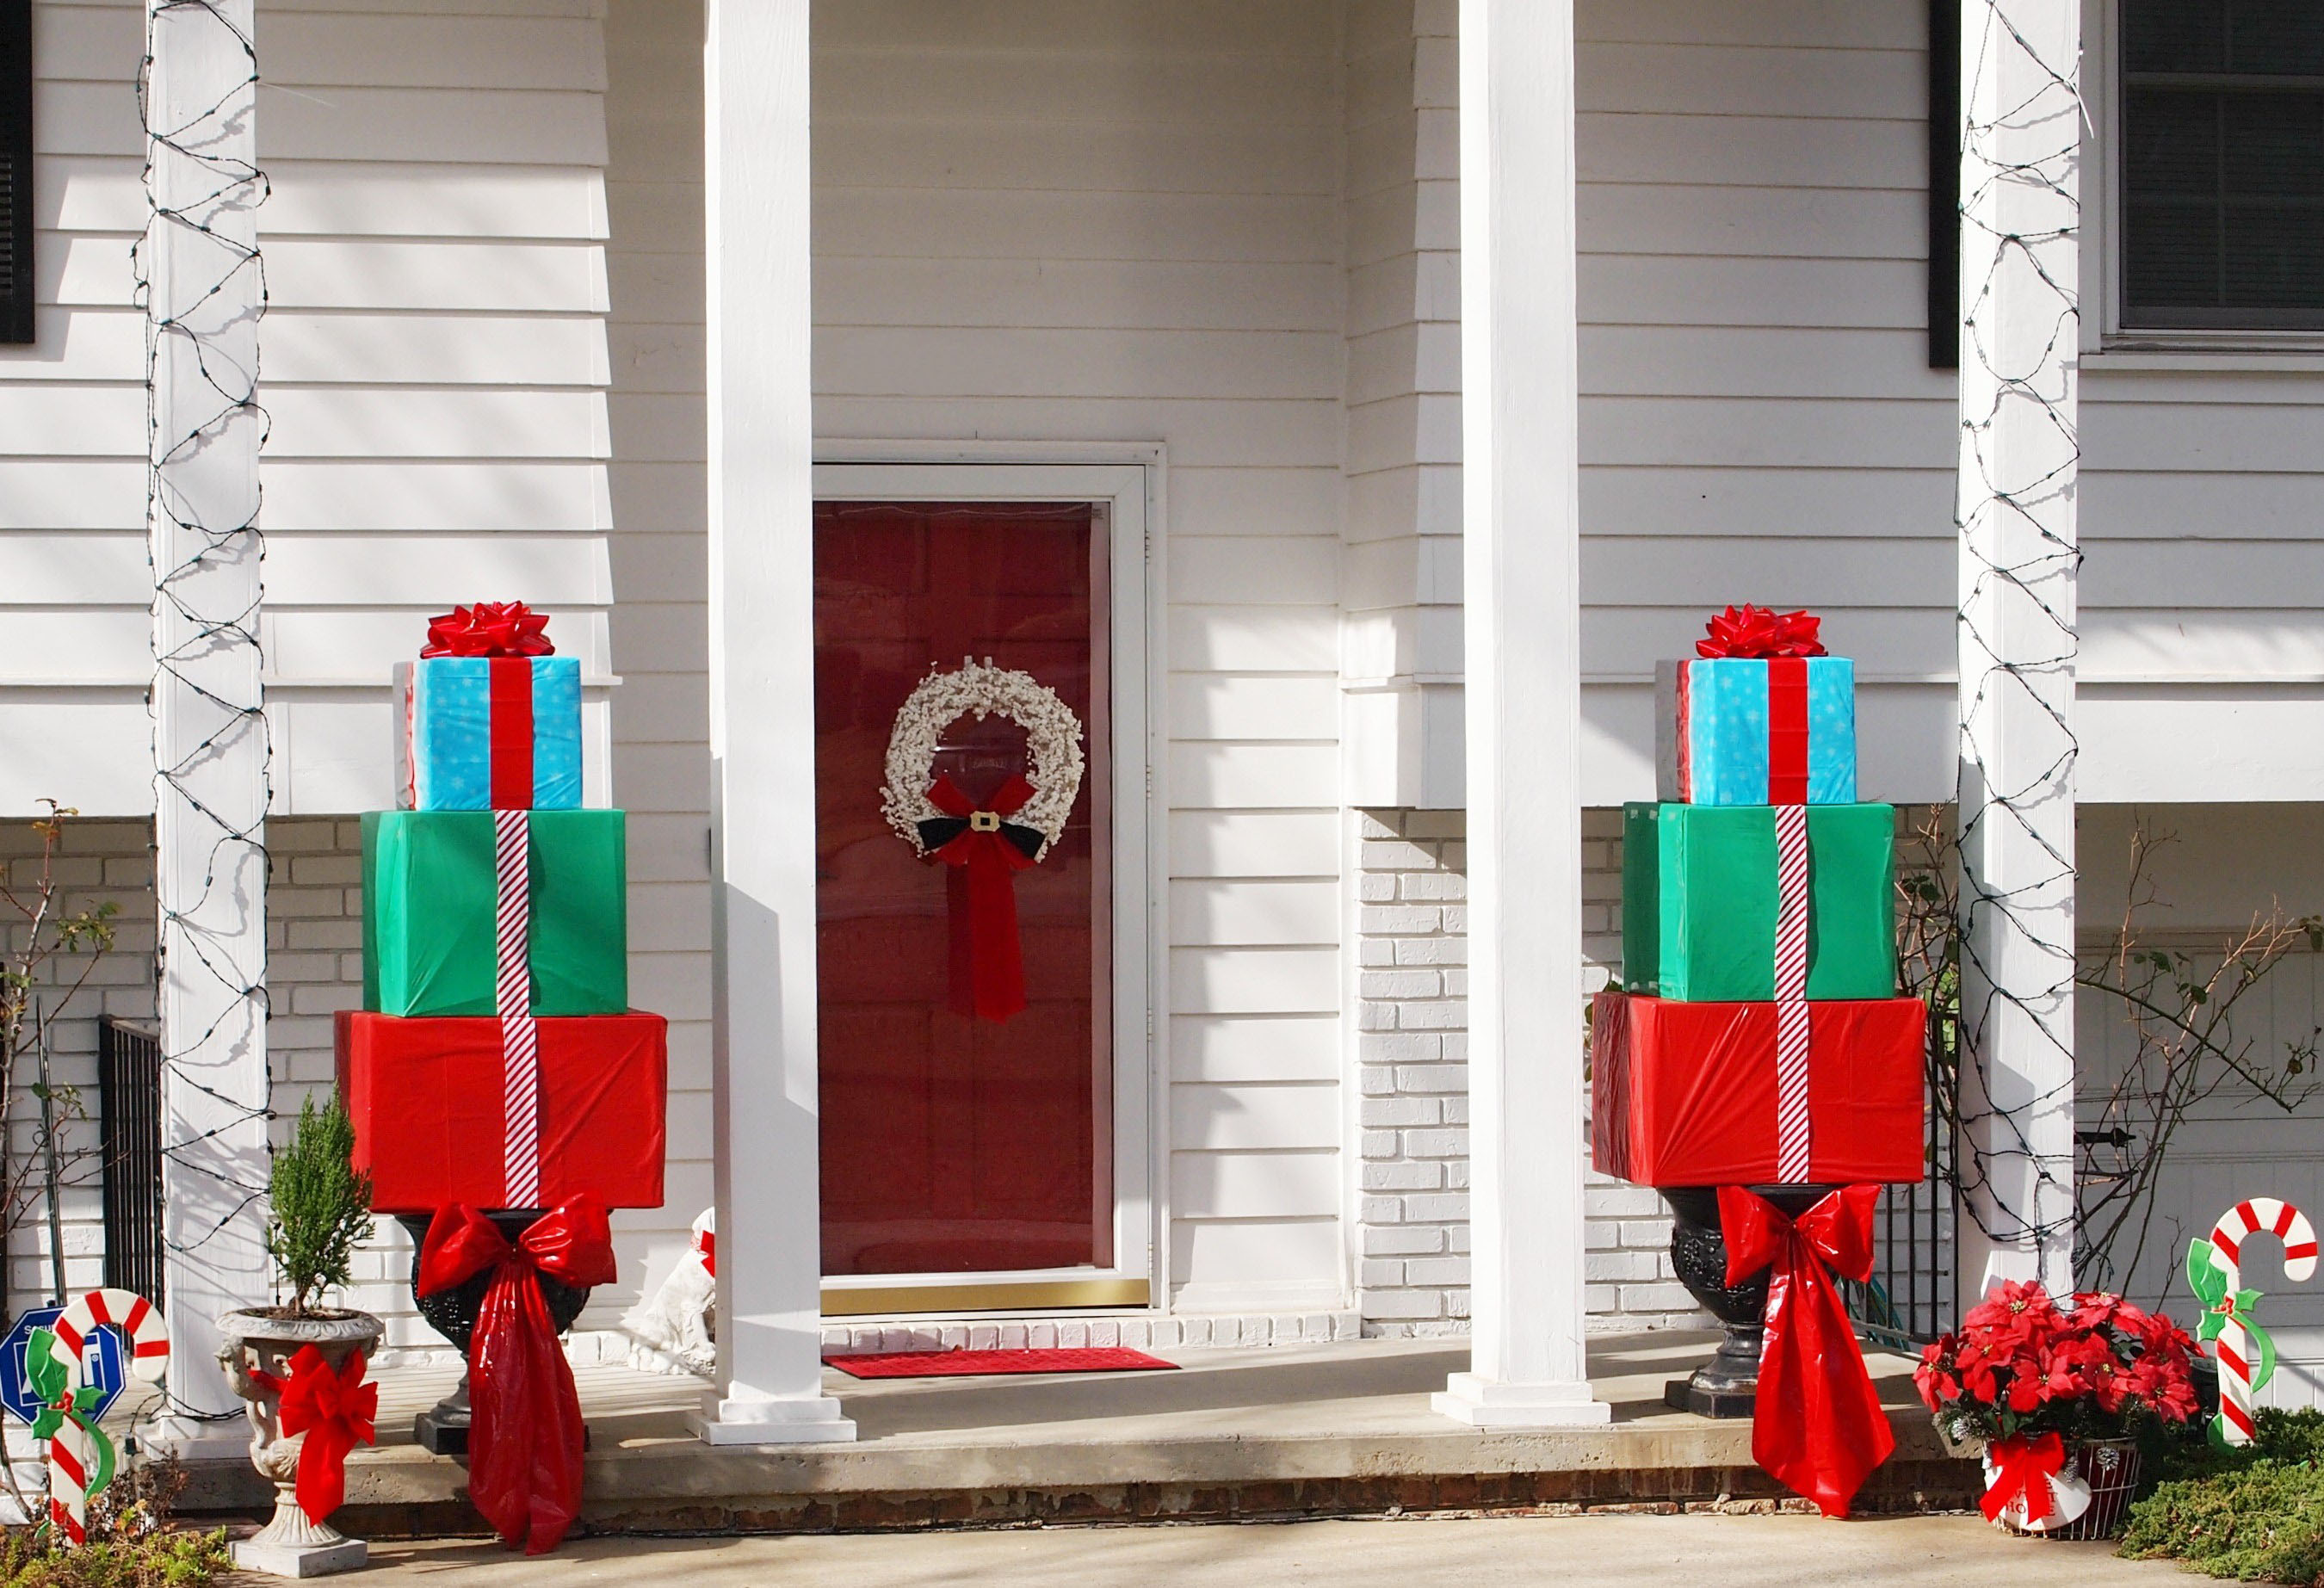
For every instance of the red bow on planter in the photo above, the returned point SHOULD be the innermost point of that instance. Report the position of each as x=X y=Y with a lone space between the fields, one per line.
x=986 y=852
x=335 y=1410
x=1817 y=1426
x=2024 y=1466
x=525 y=1433
x=1755 y=632
x=489 y=628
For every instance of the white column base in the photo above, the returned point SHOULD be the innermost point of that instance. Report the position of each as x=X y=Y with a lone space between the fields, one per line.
x=745 y=1419
x=187 y=1440
x=1486 y=1403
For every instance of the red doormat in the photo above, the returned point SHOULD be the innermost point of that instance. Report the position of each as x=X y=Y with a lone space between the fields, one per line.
x=955 y=1364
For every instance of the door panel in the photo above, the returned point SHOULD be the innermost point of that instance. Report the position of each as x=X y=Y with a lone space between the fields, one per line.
x=951 y=1145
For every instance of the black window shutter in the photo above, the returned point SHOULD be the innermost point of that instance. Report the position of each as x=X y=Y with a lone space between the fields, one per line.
x=1944 y=184
x=16 y=170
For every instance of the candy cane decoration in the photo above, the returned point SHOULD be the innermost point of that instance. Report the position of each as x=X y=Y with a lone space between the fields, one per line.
x=80 y=1458
x=2215 y=1269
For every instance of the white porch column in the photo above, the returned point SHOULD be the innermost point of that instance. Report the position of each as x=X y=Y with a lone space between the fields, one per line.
x=199 y=262
x=2020 y=187
x=762 y=734
x=1521 y=549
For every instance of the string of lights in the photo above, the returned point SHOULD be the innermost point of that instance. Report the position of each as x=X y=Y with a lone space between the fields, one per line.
x=202 y=284
x=2020 y=451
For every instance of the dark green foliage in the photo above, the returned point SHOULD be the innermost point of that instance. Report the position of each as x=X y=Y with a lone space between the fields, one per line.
x=2256 y=1514
x=322 y=1205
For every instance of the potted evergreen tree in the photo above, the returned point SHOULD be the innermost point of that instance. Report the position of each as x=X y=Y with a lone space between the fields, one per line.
x=300 y=1363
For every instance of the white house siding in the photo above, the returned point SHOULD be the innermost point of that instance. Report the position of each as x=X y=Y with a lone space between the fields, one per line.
x=2227 y=865
x=1106 y=220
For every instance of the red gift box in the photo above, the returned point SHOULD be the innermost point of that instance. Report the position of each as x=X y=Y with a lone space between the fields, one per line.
x=426 y=1095
x=1685 y=1093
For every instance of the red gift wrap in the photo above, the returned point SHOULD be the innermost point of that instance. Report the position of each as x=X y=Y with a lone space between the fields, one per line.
x=1685 y=1093
x=430 y=1111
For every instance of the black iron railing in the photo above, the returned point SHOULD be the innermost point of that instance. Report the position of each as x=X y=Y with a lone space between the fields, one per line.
x=129 y=1104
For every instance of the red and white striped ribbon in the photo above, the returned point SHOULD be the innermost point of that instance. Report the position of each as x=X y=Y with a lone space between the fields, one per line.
x=520 y=1034
x=1791 y=1130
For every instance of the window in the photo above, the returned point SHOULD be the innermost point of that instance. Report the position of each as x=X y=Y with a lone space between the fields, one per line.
x=2222 y=164
x=16 y=170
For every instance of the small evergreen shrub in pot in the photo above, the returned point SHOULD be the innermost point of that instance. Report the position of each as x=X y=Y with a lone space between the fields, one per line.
x=2058 y=1397
x=299 y=1358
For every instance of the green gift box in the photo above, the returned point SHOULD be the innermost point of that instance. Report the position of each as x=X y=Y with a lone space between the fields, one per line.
x=431 y=897
x=1698 y=901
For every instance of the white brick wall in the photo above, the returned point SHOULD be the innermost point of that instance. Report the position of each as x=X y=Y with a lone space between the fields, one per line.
x=1411 y=1230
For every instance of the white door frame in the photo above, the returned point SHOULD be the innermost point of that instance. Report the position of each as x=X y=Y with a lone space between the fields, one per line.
x=1128 y=483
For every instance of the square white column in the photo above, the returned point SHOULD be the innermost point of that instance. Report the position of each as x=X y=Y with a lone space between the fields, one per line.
x=1521 y=548
x=762 y=734
x=2020 y=183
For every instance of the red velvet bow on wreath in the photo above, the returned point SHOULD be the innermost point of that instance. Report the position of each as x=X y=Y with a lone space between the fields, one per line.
x=489 y=628
x=985 y=850
x=1755 y=632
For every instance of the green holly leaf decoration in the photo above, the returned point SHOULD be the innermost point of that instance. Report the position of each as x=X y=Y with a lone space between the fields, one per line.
x=2209 y=1285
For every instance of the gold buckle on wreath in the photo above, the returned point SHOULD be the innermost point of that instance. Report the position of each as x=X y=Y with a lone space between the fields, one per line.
x=983 y=821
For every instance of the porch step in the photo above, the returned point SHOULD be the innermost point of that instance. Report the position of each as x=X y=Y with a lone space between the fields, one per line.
x=1331 y=1430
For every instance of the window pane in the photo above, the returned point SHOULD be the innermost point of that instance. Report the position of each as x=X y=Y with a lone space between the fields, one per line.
x=2272 y=254
x=2276 y=36
x=2171 y=258
x=2274 y=144
x=2174 y=35
x=2171 y=144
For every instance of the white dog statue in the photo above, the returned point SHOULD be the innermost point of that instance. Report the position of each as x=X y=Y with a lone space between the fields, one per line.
x=672 y=1330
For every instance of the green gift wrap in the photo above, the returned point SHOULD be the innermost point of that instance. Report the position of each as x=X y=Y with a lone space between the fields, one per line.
x=431 y=894
x=1698 y=901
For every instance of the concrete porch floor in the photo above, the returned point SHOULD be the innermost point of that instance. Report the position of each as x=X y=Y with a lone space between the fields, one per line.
x=1283 y=1431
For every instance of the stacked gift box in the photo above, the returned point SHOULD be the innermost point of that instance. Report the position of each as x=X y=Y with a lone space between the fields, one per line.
x=1757 y=1038
x=496 y=1060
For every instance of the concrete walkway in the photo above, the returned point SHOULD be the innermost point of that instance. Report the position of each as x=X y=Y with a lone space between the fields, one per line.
x=1603 y=1552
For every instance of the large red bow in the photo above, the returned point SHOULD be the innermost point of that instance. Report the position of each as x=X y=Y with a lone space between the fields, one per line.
x=336 y=1411
x=489 y=628
x=525 y=1433
x=1817 y=1425
x=1755 y=632
x=988 y=962
x=2024 y=1466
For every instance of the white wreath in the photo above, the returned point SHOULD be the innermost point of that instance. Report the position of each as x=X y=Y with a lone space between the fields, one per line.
x=1053 y=743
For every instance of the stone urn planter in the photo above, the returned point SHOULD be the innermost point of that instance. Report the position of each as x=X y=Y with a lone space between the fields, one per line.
x=289 y=1546
x=1727 y=1386
x=443 y=1429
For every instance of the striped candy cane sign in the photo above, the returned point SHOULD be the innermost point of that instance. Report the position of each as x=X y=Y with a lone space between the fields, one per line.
x=2215 y=1270
x=80 y=1457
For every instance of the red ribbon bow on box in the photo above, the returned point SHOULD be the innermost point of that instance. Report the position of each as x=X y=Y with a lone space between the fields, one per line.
x=335 y=1409
x=525 y=1435
x=986 y=850
x=1755 y=632
x=489 y=628
x=2024 y=1466
x=1817 y=1426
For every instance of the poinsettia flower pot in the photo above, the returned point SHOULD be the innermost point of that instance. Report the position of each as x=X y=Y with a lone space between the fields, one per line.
x=259 y=1343
x=2089 y=1495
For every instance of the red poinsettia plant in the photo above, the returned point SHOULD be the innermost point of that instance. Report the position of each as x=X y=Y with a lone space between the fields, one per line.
x=2093 y=1369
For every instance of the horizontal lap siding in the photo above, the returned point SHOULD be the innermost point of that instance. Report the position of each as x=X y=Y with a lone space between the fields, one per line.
x=1052 y=221
x=1759 y=420
x=74 y=586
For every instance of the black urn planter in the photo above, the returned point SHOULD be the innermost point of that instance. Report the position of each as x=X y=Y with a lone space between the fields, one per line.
x=1727 y=1385
x=443 y=1429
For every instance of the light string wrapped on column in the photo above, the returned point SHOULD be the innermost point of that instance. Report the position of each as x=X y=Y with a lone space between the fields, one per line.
x=2044 y=186
x=210 y=366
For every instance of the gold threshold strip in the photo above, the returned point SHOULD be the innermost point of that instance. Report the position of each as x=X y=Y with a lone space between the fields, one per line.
x=1022 y=1295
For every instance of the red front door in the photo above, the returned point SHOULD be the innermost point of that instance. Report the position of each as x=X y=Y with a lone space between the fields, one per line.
x=950 y=1144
